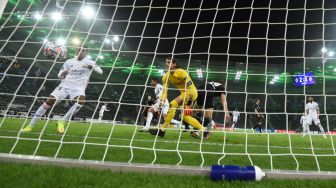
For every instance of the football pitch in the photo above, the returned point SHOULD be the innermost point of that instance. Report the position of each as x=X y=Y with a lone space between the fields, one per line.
x=125 y=144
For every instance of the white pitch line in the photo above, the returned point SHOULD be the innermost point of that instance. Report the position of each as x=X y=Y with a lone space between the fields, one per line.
x=181 y=142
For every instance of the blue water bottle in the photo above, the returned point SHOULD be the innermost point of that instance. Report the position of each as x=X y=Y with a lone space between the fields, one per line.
x=230 y=172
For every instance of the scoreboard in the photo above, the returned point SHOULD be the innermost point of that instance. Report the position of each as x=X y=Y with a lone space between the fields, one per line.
x=307 y=79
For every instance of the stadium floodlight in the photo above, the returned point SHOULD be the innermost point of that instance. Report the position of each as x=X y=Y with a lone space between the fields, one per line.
x=88 y=12
x=37 y=16
x=107 y=41
x=199 y=73
x=324 y=50
x=238 y=74
x=331 y=54
x=115 y=38
x=75 y=41
x=56 y=16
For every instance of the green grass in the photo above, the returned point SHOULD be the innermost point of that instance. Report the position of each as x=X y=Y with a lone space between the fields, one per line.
x=28 y=175
x=127 y=144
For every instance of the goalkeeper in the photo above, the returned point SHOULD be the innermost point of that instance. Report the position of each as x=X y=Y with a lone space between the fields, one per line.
x=180 y=79
x=75 y=75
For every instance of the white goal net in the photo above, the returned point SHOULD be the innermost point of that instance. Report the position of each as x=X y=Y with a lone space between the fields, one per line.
x=280 y=52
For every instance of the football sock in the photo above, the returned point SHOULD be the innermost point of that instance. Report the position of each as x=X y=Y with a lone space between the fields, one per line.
x=72 y=111
x=174 y=121
x=193 y=122
x=39 y=113
x=321 y=128
x=149 y=119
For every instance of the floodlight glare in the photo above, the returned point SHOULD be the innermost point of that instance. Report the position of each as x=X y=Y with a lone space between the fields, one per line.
x=89 y=56
x=37 y=16
x=334 y=69
x=45 y=40
x=88 y=12
x=56 y=16
x=331 y=53
x=116 y=38
x=101 y=57
x=324 y=49
x=107 y=41
x=75 y=41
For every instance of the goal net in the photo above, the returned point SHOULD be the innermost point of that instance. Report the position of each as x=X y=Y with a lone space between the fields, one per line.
x=280 y=52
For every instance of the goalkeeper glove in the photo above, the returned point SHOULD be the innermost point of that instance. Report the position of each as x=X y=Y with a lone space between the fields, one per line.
x=187 y=111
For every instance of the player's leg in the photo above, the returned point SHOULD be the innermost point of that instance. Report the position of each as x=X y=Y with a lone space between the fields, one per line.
x=149 y=117
x=233 y=123
x=317 y=122
x=80 y=100
x=258 y=124
x=39 y=113
x=58 y=94
x=100 y=117
x=164 y=110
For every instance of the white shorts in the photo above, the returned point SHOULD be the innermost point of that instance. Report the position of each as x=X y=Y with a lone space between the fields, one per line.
x=235 y=120
x=101 y=114
x=62 y=93
x=164 y=108
x=310 y=119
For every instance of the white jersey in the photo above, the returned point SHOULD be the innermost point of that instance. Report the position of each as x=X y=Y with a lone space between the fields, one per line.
x=103 y=109
x=312 y=108
x=79 y=73
x=158 y=90
x=235 y=114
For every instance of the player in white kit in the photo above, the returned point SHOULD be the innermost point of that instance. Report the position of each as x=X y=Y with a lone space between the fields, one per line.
x=75 y=75
x=313 y=111
x=235 y=118
x=156 y=106
x=305 y=127
x=101 y=112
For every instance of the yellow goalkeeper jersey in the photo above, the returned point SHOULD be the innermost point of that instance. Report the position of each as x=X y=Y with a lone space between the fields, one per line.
x=180 y=79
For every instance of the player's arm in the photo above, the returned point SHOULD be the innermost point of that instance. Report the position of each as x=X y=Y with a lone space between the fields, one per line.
x=224 y=103
x=93 y=66
x=159 y=94
x=301 y=120
x=64 y=71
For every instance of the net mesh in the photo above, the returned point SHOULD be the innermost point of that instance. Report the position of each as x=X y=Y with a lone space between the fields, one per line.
x=277 y=51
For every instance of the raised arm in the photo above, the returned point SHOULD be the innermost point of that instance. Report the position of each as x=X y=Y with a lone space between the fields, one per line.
x=97 y=69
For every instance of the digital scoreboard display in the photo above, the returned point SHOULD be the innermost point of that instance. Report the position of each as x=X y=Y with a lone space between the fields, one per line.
x=307 y=79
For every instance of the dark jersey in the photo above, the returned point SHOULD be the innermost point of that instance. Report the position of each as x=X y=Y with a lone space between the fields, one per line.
x=207 y=92
x=257 y=107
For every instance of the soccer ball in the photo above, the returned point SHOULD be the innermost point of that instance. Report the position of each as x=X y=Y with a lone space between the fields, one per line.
x=54 y=50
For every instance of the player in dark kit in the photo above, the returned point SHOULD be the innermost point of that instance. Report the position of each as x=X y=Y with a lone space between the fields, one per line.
x=206 y=94
x=259 y=116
